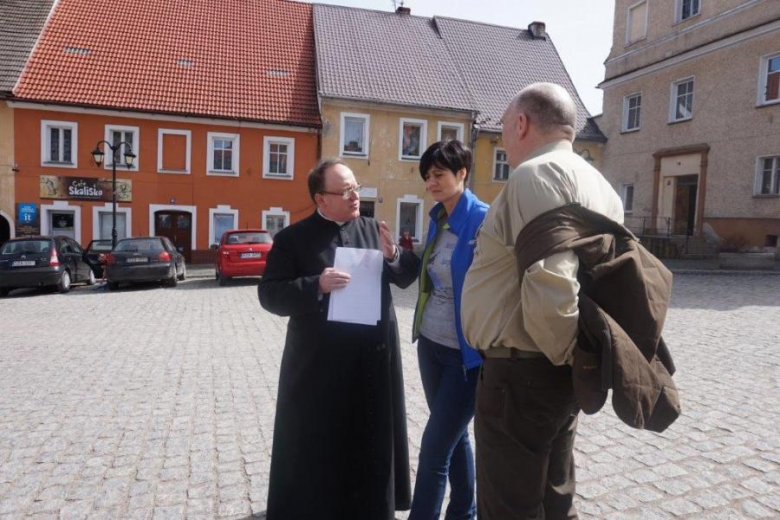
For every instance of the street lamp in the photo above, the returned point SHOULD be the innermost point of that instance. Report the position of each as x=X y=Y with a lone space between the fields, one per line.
x=97 y=156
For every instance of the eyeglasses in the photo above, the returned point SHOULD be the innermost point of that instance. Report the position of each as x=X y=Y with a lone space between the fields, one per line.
x=346 y=194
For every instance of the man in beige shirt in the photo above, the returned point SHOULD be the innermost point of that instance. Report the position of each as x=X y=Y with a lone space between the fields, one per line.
x=526 y=414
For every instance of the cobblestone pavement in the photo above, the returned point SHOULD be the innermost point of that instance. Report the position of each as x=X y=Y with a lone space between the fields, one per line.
x=159 y=403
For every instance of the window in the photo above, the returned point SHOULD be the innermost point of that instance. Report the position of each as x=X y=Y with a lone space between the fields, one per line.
x=450 y=131
x=58 y=143
x=500 y=165
x=681 y=105
x=173 y=150
x=687 y=8
x=128 y=135
x=354 y=134
x=278 y=157
x=222 y=222
x=632 y=112
x=222 y=218
x=637 y=22
x=106 y=223
x=769 y=84
x=223 y=153
x=768 y=177
x=411 y=139
x=627 y=195
x=275 y=219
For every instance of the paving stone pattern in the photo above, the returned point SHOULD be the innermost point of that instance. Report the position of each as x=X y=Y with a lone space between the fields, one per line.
x=159 y=403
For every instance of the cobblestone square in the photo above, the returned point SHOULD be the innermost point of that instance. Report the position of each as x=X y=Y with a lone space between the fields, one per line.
x=159 y=403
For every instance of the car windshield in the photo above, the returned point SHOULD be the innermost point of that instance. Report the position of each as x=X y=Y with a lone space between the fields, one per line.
x=103 y=245
x=249 y=238
x=26 y=246
x=141 y=245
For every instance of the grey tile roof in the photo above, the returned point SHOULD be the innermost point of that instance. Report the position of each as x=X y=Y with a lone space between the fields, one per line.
x=385 y=57
x=497 y=62
x=21 y=21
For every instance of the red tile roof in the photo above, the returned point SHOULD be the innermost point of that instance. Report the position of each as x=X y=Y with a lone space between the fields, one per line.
x=235 y=59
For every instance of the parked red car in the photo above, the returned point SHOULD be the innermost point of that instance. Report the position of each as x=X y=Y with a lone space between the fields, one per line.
x=242 y=252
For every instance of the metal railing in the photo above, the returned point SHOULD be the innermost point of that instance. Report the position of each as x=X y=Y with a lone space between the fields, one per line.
x=642 y=225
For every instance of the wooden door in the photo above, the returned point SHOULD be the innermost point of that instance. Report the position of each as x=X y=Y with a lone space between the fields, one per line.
x=177 y=226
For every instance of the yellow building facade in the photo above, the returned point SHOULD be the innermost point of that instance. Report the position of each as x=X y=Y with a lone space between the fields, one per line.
x=7 y=210
x=382 y=145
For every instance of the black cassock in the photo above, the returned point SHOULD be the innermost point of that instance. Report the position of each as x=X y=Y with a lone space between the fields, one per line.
x=340 y=448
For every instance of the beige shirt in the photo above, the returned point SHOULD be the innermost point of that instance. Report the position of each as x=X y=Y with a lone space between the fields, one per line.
x=542 y=316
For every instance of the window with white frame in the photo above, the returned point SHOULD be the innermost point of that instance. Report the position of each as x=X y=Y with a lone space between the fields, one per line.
x=105 y=219
x=769 y=85
x=411 y=138
x=450 y=131
x=58 y=143
x=632 y=112
x=500 y=165
x=174 y=149
x=409 y=216
x=275 y=219
x=354 y=134
x=636 y=28
x=278 y=157
x=681 y=104
x=223 y=153
x=687 y=9
x=128 y=137
x=220 y=223
x=627 y=195
x=768 y=176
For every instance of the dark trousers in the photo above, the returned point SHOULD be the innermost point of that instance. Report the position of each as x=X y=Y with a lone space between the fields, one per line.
x=525 y=423
x=445 y=450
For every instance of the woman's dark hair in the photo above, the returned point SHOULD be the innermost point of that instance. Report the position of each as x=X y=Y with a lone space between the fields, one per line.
x=450 y=155
x=317 y=175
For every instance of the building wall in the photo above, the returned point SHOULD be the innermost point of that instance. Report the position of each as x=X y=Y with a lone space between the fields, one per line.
x=726 y=117
x=666 y=37
x=7 y=209
x=387 y=180
x=249 y=192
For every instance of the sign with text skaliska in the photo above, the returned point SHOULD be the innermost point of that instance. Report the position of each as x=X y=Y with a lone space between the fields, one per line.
x=84 y=188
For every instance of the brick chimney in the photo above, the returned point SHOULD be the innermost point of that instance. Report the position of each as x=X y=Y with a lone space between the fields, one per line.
x=538 y=30
x=403 y=10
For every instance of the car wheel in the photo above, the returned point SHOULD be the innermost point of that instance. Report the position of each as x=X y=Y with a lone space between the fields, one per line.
x=91 y=279
x=63 y=286
x=173 y=280
x=4 y=292
x=223 y=280
x=112 y=286
x=183 y=274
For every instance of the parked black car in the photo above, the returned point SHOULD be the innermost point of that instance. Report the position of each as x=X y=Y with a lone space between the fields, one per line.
x=96 y=255
x=43 y=262
x=144 y=259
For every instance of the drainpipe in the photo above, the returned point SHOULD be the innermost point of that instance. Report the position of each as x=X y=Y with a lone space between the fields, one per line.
x=473 y=134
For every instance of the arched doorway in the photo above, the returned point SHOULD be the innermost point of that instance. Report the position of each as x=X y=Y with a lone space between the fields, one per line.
x=177 y=226
x=5 y=229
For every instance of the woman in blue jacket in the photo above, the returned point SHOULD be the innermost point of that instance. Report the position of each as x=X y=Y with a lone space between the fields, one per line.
x=448 y=365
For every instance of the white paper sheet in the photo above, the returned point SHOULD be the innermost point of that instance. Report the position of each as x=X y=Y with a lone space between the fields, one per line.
x=361 y=300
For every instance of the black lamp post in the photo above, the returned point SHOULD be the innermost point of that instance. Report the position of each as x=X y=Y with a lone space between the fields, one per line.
x=98 y=155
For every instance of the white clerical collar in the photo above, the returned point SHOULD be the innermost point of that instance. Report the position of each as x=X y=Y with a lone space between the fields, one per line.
x=330 y=219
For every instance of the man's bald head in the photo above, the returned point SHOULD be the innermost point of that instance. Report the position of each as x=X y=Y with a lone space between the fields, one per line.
x=549 y=107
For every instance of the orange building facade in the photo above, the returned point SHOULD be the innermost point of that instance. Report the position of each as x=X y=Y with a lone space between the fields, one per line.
x=192 y=177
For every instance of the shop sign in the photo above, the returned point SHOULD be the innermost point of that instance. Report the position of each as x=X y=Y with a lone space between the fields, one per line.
x=84 y=188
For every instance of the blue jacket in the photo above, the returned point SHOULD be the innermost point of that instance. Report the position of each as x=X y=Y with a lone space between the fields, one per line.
x=464 y=222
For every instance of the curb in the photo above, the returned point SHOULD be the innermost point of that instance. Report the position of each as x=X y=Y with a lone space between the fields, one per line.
x=726 y=272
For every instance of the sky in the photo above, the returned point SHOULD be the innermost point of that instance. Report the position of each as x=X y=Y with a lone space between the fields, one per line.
x=580 y=29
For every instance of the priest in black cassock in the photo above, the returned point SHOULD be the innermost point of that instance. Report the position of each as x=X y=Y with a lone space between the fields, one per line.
x=340 y=449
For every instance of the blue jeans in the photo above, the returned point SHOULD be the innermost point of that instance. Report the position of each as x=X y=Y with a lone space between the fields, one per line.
x=445 y=450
